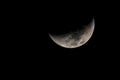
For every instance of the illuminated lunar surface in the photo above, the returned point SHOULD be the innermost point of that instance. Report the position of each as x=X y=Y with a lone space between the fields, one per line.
x=75 y=39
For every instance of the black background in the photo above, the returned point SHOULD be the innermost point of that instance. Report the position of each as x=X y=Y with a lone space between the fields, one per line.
x=33 y=23
x=28 y=41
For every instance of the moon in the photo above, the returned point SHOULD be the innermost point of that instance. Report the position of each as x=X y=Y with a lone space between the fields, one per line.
x=75 y=38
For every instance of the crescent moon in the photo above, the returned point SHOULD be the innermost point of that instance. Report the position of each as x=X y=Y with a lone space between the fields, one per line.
x=75 y=39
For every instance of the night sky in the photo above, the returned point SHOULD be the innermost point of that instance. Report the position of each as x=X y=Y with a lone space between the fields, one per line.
x=35 y=25
x=60 y=22
x=29 y=46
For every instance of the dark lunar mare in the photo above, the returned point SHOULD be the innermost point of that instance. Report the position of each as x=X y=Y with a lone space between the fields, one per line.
x=75 y=36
